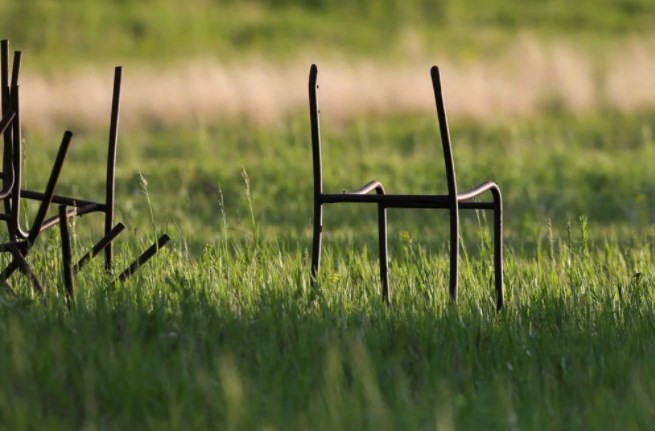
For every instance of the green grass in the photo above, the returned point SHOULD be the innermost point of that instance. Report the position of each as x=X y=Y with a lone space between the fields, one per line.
x=235 y=338
x=224 y=330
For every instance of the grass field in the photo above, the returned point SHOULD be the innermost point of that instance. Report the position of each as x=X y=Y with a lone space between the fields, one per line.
x=223 y=329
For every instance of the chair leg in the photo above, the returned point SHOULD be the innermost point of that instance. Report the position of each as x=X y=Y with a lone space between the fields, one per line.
x=454 y=252
x=9 y=270
x=384 y=259
x=98 y=247
x=498 y=247
x=69 y=281
x=316 y=242
x=145 y=257
x=110 y=184
x=22 y=263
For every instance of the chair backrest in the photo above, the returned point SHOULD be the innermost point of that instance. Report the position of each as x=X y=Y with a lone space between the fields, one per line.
x=6 y=106
x=316 y=132
x=443 y=128
x=445 y=135
x=12 y=140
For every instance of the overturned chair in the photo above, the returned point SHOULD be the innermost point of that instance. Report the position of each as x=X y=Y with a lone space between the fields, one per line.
x=454 y=201
x=20 y=239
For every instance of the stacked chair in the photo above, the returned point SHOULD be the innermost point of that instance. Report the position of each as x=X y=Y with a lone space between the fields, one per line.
x=21 y=240
x=454 y=201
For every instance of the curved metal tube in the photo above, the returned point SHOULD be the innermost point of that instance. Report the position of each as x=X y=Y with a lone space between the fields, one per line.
x=476 y=191
x=7 y=183
x=369 y=187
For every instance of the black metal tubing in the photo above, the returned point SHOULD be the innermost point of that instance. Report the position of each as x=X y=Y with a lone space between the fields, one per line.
x=79 y=211
x=453 y=201
x=11 y=193
x=9 y=246
x=8 y=182
x=70 y=270
x=19 y=249
x=403 y=201
x=7 y=166
x=69 y=282
x=19 y=258
x=99 y=247
x=50 y=187
x=7 y=174
x=145 y=257
x=62 y=200
x=110 y=184
x=15 y=228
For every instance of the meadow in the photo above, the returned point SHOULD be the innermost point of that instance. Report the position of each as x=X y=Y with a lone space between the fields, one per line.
x=224 y=330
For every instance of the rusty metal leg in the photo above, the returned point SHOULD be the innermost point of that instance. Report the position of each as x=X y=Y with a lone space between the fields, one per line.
x=22 y=263
x=9 y=270
x=316 y=242
x=498 y=247
x=454 y=251
x=15 y=230
x=98 y=247
x=111 y=164
x=7 y=164
x=69 y=281
x=145 y=257
x=50 y=188
x=384 y=259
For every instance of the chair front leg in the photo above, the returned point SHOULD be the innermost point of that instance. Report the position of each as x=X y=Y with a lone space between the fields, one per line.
x=69 y=280
x=498 y=246
x=384 y=260
x=454 y=251
x=316 y=242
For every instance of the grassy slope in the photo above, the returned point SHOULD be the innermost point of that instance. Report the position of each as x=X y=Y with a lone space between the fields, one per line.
x=224 y=331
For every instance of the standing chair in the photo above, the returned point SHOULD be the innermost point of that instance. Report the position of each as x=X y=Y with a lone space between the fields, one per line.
x=453 y=201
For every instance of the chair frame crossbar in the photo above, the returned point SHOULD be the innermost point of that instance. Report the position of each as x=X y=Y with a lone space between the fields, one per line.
x=454 y=201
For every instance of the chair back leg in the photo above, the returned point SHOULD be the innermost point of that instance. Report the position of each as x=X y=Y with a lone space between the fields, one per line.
x=110 y=185
x=16 y=149
x=454 y=252
x=316 y=241
x=384 y=259
x=7 y=164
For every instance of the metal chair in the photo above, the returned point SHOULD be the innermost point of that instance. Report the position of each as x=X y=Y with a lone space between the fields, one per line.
x=11 y=175
x=454 y=201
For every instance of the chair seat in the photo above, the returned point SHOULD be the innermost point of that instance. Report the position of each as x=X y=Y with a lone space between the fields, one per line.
x=402 y=201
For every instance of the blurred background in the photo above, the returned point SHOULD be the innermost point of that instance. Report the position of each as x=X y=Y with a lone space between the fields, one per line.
x=553 y=99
